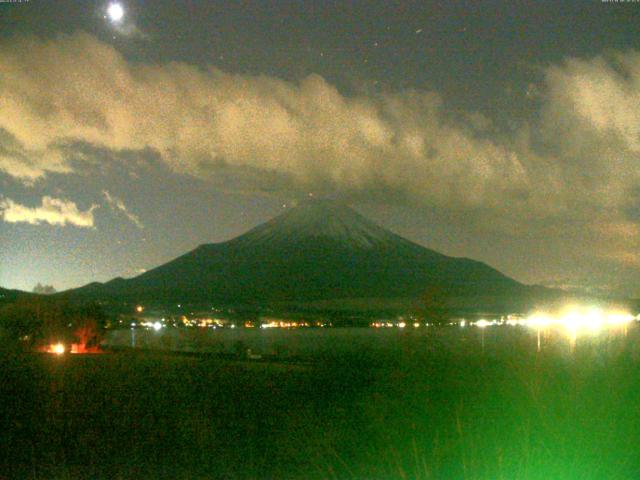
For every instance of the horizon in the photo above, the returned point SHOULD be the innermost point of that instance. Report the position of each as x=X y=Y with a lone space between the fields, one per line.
x=281 y=220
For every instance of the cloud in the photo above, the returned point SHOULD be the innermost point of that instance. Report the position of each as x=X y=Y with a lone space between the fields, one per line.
x=565 y=174
x=118 y=205
x=77 y=89
x=53 y=211
x=601 y=94
x=29 y=165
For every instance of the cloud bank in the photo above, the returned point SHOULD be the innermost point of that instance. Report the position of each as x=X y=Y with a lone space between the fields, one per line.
x=53 y=211
x=76 y=89
x=569 y=172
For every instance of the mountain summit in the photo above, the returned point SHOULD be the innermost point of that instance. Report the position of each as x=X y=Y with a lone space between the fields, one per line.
x=320 y=251
x=320 y=219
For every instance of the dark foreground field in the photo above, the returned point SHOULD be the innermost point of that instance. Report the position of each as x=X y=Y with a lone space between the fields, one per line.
x=430 y=412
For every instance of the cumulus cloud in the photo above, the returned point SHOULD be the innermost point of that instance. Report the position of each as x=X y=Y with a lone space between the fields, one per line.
x=118 y=205
x=567 y=174
x=29 y=165
x=601 y=94
x=590 y=132
x=77 y=89
x=53 y=211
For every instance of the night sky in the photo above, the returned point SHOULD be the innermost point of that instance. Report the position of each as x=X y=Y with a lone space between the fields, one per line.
x=508 y=132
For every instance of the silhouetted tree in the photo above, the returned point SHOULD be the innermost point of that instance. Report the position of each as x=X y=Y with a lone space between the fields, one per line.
x=87 y=323
x=36 y=320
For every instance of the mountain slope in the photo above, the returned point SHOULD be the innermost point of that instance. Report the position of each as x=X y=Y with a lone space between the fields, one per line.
x=8 y=296
x=318 y=251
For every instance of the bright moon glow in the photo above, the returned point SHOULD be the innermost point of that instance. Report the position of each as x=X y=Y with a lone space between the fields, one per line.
x=115 y=12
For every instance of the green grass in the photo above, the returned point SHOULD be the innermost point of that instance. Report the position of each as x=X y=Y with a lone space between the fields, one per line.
x=431 y=411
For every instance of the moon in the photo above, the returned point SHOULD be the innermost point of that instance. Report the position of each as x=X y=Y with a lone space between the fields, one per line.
x=115 y=12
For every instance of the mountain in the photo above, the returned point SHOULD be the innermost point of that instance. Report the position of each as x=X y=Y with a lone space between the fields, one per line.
x=321 y=252
x=8 y=296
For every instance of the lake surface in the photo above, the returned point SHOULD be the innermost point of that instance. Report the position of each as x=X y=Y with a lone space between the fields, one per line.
x=319 y=343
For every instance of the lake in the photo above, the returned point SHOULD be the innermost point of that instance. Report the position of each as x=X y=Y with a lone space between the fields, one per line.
x=310 y=344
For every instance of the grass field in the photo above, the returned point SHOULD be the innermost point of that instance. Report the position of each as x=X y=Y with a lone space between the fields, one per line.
x=430 y=410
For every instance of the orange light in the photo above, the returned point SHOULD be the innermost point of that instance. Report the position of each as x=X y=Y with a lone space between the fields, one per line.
x=139 y=308
x=57 y=348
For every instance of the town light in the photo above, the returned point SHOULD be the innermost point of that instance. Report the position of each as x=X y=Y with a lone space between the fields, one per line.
x=574 y=319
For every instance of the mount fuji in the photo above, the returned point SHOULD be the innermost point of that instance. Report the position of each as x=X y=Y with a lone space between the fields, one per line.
x=319 y=252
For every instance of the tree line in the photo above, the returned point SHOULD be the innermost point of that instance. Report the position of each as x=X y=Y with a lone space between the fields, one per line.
x=32 y=322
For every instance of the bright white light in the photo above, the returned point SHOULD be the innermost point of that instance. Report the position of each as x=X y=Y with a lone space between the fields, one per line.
x=594 y=320
x=463 y=323
x=402 y=325
x=539 y=320
x=482 y=323
x=157 y=326
x=115 y=12
x=619 y=318
x=58 y=348
x=575 y=319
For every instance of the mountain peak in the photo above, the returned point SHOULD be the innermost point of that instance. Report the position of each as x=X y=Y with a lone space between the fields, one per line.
x=319 y=250
x=320 y=219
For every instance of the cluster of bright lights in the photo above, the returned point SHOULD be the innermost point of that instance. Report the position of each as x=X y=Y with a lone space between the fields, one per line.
x=154 y=325
x=208 y=322
x=57 y=348
x=482 y=323
x=572 y=319
x=396 y=324
x=60 y=349
x=284 y=324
